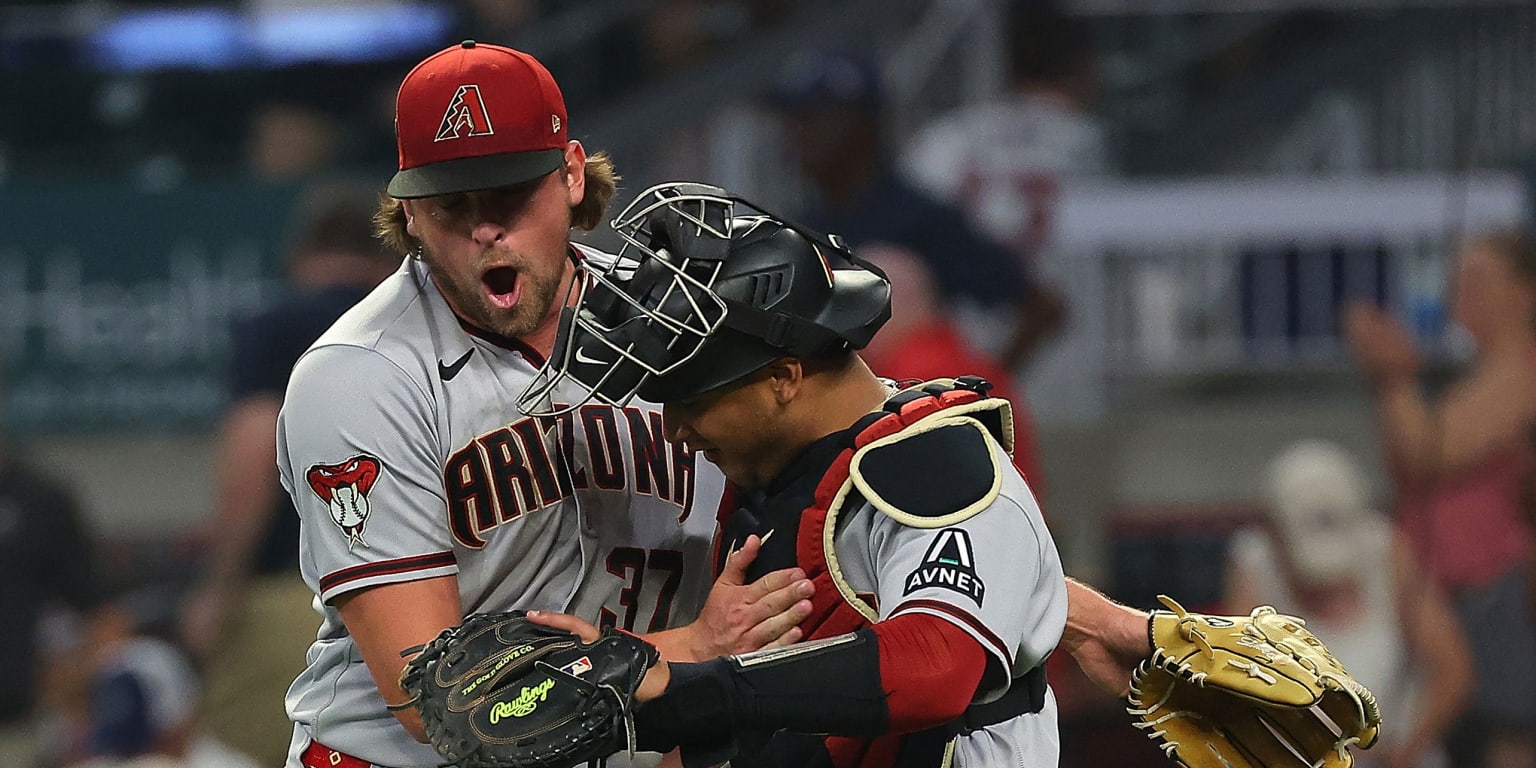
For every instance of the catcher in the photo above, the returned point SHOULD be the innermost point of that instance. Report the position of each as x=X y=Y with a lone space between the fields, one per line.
x=939 y=591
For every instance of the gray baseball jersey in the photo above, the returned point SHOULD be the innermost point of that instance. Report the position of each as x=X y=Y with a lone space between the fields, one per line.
x=996 y=575
x=404 y=452
x=990 y=568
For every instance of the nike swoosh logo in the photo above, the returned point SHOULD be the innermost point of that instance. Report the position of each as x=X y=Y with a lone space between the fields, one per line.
x=450 y=370
x=583 y=357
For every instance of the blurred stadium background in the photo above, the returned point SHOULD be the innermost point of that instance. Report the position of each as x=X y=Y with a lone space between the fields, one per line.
x=1270 y=159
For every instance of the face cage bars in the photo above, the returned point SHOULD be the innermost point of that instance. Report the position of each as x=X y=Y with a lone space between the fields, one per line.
x=632 y=226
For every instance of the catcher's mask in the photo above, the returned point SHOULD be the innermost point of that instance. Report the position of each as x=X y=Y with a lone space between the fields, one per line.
x=707 y=288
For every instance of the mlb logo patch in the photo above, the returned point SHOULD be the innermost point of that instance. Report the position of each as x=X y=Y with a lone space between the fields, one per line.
x=578 y=667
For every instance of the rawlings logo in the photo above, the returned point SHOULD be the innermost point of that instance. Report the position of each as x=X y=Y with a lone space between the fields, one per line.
x=525 y=703
x=344 y=487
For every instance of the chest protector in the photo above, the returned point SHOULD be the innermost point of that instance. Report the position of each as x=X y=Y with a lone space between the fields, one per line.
x=936 y=430
x=890 y=466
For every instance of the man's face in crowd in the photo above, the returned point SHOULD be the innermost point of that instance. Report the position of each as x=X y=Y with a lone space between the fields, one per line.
x=500 y=256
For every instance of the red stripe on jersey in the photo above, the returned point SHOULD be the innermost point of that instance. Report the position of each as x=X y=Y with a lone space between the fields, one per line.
x=386 y=568
x=954 y=612
x=727 y=502
x=929 y=669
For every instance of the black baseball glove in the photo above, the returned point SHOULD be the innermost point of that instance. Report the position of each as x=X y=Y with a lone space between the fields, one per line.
x=499 y=691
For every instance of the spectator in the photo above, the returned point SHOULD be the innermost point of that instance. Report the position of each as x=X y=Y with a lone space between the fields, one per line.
x=832 y=106
x=1003 y=162
x=1325 y=554
x=143 y=700
x=920 y=343
x=250 y=618
x=46 y=560
x=289 y=141
x=1461 y=464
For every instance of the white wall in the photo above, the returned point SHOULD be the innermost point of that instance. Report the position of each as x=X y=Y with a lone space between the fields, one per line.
x=133 y=488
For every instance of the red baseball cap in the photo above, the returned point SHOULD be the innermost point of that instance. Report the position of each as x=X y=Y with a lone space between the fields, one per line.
x=476 y=116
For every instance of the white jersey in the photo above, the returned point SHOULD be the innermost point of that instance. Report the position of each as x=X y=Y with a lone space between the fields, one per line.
x=404 y=452
x=1003 y=163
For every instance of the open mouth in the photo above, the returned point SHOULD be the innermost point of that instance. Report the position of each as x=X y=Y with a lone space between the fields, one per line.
x=502 y=285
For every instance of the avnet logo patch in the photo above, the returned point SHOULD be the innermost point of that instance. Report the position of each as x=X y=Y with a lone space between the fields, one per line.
x=951 y=564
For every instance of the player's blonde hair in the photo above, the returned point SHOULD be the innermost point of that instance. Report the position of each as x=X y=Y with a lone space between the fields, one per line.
x=602 y=183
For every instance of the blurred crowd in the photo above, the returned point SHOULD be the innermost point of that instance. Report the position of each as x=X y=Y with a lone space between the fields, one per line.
x=1427 y=592
x=289 y=123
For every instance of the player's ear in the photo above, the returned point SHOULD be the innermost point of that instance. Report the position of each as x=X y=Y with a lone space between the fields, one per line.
x=411 y=228
x=575 y=172
x=784 y=378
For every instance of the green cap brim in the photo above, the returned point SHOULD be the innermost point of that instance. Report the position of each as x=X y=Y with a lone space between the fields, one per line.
x=467 y=174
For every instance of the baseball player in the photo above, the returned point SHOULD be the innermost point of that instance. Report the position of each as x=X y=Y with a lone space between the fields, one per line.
x=939 y=588
x=424 y=493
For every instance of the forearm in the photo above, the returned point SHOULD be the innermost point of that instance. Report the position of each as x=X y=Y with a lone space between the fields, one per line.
x=247 y=488
x=1094 y=619
x=1439 y=706
x=1105 y=638
x=1407 y=427
x=1438 y=712
x=674 y=644
x=231 y=556
x=903 y=675
x=389 y=622
x=1436 y=639
x=825 y=686
x=1039 y=317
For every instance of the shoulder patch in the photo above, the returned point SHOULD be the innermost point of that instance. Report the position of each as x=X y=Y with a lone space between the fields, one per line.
x=949 y=564
x=344 y=487
x=938 y=472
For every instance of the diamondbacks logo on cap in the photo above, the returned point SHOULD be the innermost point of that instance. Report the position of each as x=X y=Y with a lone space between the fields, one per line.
x=466 y=115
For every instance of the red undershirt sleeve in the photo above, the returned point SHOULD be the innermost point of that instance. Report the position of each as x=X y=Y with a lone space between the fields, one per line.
x=929 y=668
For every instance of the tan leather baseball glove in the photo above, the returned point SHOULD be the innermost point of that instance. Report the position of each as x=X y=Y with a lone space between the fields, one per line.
x=1257 y=690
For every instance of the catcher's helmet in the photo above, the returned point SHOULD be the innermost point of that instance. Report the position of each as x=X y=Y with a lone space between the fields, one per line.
x=708 y=288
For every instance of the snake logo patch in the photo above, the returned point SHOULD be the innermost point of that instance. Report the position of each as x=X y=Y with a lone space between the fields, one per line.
x=344 y=487
x=950 y=564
